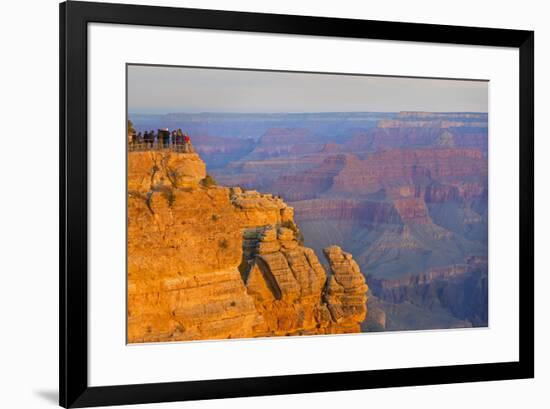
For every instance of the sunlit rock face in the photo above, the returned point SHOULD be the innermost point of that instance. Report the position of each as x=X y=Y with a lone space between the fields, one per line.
x=405 y=192
x=346 y=291
x=211 y=262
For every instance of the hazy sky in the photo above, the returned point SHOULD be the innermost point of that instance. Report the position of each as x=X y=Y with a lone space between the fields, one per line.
x=153 y=89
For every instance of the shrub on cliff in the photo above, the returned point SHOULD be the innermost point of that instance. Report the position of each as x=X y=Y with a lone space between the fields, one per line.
x=208 y=181
x=223 y=244
x=168 y=193
x=289 y=224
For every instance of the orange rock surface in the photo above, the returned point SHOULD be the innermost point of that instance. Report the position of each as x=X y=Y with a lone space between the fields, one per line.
x=211 y=262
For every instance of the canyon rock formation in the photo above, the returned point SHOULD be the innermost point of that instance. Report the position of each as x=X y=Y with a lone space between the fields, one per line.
x=405 y=192
x=212 y=262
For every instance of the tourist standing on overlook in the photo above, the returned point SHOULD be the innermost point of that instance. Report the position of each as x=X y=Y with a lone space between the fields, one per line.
x=179 y=137
x=173 y=138
x=164 y=138
x=187 y=143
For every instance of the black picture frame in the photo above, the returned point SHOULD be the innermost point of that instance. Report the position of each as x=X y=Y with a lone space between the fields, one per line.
x=73 y=349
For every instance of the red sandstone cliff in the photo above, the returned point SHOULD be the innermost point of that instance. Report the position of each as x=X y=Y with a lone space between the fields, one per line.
x=408 y=167
x=286 y=142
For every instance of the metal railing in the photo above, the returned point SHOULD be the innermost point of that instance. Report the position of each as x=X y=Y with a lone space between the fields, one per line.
x=160 y=146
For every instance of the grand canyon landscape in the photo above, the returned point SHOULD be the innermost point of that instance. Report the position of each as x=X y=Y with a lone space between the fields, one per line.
x=306 y=223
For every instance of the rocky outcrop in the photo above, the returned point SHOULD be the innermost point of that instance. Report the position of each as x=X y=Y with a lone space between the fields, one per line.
x=209 y=262
x=150 y=170
x=412 y=210
x=476 y=116
x=398 y=172
x=291 y=291
x=445 y=139
x=284 y=142
x=286 y=281
x=361 y=211
x=422 y=129
x=346 y=290
x=260 y=174
x=400 y=167
x=218 y=151
x=461 y=289
x=392 y=123
x=310 y=183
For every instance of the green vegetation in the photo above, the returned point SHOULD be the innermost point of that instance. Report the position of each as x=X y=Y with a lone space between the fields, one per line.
x=208 y=181
x=173 y=176
x=289 y=224
x=224 y=244
x=169 y=195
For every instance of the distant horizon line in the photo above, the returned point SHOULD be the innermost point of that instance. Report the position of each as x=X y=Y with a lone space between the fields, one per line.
x=301 y=112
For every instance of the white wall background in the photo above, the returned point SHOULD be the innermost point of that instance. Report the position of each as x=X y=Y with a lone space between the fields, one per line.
x=29 y=202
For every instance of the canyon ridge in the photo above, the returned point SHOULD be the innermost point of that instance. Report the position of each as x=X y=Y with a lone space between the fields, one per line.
x=405 y=193
x=214 y=262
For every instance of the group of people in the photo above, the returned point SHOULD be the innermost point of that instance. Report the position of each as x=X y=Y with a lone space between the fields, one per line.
x=163 y=138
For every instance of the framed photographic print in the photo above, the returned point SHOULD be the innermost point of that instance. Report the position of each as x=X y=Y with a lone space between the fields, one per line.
x=258 y=204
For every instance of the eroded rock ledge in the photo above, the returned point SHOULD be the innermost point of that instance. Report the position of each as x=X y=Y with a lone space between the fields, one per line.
x=210 y=262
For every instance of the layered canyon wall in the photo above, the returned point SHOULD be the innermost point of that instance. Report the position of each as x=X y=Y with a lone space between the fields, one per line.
x=211 y=262
x=406 y=193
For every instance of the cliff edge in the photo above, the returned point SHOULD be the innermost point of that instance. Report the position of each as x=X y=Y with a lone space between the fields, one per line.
x=212 y=262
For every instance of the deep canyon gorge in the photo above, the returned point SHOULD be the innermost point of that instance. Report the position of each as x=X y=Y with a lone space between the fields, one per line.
x=308 y=210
